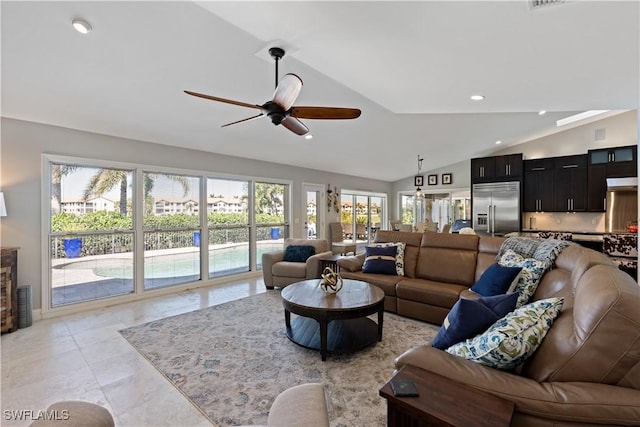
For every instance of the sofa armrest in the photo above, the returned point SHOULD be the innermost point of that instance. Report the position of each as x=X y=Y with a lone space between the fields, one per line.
x=314 y=264
x=569 y=401
x=268 y=259
x=352 y=263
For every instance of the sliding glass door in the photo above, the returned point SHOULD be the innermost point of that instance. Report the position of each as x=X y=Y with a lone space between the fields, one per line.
x=362 y=215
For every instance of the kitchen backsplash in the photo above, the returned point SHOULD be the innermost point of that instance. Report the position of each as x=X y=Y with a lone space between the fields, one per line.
x=560 y=221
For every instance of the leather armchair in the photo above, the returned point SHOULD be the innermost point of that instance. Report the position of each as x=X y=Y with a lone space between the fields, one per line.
x=277 y=272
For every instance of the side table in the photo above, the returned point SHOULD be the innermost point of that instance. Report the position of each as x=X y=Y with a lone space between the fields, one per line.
x=9 y=289
x=444 y=403
x=331 y=262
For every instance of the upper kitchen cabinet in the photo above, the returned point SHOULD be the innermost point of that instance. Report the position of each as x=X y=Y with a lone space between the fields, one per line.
x=509 y=166
x=483 y=169
x=538 y=185
x=620 y=162
x=497 y=168
x=570 y=183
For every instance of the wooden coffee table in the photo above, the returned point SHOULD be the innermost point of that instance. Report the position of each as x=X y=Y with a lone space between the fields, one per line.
x=333 y=323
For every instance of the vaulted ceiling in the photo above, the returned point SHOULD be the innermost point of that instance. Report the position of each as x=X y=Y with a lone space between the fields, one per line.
x=411 y=68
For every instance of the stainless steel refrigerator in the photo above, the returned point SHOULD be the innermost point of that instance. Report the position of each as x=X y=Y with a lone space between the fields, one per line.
x=496 y=208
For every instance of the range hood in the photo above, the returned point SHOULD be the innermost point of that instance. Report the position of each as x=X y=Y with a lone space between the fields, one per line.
x=630 y=183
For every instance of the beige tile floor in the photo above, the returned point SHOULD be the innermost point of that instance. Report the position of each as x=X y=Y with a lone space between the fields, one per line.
x=83 y=357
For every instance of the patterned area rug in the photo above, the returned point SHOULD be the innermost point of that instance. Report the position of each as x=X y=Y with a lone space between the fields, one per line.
x=233 y=359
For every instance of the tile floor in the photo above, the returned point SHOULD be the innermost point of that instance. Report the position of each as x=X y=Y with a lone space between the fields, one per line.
x=83 y=357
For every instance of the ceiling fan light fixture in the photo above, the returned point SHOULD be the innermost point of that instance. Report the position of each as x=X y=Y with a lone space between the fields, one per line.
x=81 y=26
x=477 y=97
x=308 y=136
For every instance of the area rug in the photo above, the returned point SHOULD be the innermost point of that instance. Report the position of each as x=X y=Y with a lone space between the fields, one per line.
x=233 y=359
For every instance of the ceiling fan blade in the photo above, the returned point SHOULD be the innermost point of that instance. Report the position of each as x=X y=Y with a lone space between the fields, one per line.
x=227 y=101
x=287 y=91
x=294 y=125
x=244 y=120
x=330 y=113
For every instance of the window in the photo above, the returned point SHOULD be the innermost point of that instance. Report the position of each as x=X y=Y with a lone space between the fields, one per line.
x=91 y=250
x=192 y=227
x=171 y=229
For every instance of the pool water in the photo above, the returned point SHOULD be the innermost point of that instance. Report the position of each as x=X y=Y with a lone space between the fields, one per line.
x=235 y=258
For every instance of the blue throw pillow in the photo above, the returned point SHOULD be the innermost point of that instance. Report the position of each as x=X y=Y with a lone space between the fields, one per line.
x=380 y=260
x=469 y=317
x=295 y=253
x=495 y=280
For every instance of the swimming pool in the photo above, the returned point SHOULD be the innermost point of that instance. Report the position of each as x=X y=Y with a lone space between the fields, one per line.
x=170 y=264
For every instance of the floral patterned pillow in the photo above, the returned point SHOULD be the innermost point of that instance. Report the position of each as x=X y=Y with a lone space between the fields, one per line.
x=530 y=275
x=399 y=254
x=512 y=339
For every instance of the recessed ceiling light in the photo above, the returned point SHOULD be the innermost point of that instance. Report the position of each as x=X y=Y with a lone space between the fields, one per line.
x=81 y=26
x=498 y=142
x=308 y=136
x=542 y=112
x=477 y=97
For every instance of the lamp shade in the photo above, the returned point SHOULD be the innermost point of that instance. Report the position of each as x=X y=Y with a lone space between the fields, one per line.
x=3 y=207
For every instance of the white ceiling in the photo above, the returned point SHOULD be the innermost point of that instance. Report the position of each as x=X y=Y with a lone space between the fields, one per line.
x=409 y=66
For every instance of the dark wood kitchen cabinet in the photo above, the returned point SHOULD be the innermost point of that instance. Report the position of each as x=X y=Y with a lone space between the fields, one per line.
x=620 y=162
x=570 y=183
x=508 y=166
x=483 y=169
x=538 y=185
x=496 y=168
x=597 y=188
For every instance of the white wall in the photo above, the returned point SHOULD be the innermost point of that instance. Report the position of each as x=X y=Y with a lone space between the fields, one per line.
x=20 y=177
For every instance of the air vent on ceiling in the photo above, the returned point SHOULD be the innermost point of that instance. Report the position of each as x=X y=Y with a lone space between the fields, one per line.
x=535 y=4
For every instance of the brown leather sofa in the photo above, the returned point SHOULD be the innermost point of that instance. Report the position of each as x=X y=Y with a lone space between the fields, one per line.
x=587 y=370
x=438 y=268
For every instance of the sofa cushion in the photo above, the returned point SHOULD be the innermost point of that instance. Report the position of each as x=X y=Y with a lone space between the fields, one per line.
x=412 y=241
x=512 y=339
x=469 y=317
x=380 y=260
x=529 y=278
x=495 y=280
x=399 y=261
x=429 y=292
x=289 y=269
x=296 y=253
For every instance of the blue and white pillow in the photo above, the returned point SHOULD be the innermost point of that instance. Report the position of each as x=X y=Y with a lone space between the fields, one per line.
x=380 y=260
x=512 y=339
x=529 y=278
x=399 y=254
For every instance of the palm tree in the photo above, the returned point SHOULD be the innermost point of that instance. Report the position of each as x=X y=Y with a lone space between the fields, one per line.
x=57 y=172
x=104 y=180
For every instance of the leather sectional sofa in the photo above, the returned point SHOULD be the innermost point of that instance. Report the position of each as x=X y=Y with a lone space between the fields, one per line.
x=586 y=372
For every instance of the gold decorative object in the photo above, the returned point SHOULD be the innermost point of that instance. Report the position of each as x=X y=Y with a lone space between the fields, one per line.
x=331 y=281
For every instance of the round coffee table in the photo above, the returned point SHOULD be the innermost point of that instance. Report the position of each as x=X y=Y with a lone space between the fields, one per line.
x=335 y=323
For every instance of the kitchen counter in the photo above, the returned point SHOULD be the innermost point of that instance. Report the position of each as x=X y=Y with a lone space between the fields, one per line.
x=578 y=236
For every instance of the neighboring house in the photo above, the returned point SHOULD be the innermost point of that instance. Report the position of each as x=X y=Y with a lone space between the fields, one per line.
x=175 y=205
x=82 y=206
x=225 y=205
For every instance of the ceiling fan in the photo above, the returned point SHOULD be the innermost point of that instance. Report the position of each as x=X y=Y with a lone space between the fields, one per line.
x=280 y=109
